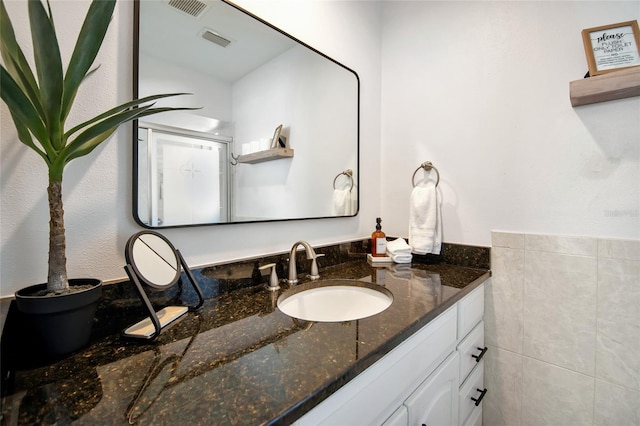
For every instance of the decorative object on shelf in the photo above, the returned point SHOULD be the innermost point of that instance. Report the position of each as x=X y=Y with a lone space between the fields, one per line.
x=276 y=137
x=278 y=148
x=153 y=261
x=40 y=103
x=612 y=47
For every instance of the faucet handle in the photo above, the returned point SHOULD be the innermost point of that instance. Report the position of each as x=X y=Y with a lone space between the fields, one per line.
x=273 y=278
x=314 y=275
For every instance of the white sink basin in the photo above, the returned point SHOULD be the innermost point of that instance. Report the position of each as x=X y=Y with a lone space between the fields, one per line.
x=335 y=300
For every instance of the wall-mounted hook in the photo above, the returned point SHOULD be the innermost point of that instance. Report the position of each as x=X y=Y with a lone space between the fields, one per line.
x=235 y=158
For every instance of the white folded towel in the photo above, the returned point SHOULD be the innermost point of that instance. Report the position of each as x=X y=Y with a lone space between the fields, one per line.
x=342 y=204
x=425 y=219
x=399 y=251
x=398 y=246
x=400 y=258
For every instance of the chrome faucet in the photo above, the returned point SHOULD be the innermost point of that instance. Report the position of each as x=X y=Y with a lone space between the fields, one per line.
x=311 y=255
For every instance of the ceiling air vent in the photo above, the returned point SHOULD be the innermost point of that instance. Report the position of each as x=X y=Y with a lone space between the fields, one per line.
x=191 y=7
x=215 y=38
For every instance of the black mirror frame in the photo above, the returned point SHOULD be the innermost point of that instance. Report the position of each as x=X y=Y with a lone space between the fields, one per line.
x=129 y=257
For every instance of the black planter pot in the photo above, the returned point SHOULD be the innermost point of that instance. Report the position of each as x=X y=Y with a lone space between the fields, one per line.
x=59 y=324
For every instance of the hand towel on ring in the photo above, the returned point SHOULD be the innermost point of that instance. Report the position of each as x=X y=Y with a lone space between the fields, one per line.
x=425 y=219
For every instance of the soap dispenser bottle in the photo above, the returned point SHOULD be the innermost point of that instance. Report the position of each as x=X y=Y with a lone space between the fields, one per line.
x=378 y=241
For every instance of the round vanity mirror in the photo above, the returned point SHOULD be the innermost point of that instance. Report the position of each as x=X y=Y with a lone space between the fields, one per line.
x=154 y=259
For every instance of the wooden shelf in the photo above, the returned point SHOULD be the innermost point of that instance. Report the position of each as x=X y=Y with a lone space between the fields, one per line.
x=268 y=155
x=605 y=87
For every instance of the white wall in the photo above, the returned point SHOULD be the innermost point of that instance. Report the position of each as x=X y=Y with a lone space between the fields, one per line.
x=481 y=89
x=97 y=189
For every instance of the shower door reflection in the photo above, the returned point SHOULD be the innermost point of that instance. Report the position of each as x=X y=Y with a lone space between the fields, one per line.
x=182 y=177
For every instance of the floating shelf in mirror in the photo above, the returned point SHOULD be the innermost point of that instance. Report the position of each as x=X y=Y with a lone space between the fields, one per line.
x=267 y=155
x=259 y=77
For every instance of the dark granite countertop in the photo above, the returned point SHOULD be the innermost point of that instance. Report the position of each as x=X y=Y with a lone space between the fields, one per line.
x=238 y=360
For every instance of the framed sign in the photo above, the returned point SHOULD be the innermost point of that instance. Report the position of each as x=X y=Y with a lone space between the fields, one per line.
x=612 y=47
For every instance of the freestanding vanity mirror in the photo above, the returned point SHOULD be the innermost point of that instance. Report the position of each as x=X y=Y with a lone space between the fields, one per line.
x=277 y=124
x=153 y=263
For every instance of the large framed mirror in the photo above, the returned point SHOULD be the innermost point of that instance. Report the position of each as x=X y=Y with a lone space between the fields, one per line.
x=275 y=135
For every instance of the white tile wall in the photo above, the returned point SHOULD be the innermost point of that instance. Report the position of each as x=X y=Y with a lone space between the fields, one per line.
x=554 y=396
x=562 y=322
x=615 y=405
x=560 y=309
x=618 y=343
x=503 y=402
x=504 y=309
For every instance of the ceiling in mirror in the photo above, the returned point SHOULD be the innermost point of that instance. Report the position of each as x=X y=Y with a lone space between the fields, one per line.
x=275 y=135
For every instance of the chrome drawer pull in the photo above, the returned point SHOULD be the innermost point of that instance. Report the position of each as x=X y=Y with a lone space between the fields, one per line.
x=483 y=392
x=479 y=357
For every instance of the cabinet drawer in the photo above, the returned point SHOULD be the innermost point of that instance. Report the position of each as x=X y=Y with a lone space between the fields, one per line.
x=470 y=311
x=472 y=393
x=471 y=350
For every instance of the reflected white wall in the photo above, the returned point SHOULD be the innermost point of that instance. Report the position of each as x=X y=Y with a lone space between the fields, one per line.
x=314 y=100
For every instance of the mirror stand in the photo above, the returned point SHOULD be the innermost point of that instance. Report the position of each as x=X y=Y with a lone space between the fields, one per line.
x=148 y=252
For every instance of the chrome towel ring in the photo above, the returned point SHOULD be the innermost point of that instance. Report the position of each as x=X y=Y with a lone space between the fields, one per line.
x=348 y=173
x=427 y=166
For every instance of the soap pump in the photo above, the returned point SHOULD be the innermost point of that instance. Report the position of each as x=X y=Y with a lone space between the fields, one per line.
x=273 y=277
x=378 y=241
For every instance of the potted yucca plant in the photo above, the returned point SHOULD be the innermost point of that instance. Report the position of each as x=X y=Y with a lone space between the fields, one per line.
x=39 y=102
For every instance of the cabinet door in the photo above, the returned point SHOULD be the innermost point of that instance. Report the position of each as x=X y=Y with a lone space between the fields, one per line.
x=399 y=418
x=435 y=402
x=475 y=419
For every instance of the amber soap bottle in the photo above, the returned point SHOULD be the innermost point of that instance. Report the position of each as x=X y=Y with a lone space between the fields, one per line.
x=378 y=241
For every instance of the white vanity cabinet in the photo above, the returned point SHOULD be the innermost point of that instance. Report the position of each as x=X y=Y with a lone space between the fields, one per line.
x=375 y=394
x=417 y=383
